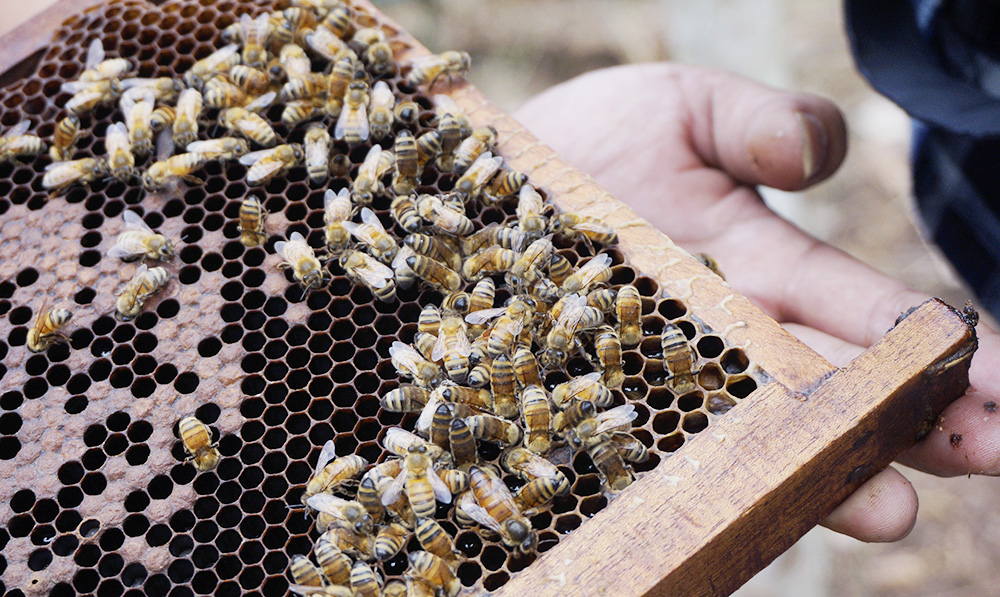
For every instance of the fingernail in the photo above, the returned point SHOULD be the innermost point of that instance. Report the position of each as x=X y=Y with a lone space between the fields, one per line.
x=814 y=145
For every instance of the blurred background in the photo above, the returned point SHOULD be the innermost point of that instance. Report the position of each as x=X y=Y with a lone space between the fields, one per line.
x=520 y=47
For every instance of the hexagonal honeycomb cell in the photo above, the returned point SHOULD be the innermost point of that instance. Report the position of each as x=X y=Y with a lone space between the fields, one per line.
x=99 y=498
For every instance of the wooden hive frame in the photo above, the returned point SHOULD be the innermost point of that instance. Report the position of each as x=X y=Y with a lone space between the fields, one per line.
x=732 y=499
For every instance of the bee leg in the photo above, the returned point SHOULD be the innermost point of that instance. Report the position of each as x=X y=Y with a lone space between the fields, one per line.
x=193 y=179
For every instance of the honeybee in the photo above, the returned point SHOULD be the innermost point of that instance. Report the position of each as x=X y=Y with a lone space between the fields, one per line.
x=292 y=23
x=248 y=123
x=436 y=572
x=504 y=331
x=333 y=563
x=678 y=358
x=380 y=114
x=585 y=424
x=398 y=441
x=332 y=473
x=163 y=172
x=629 y=447
x=482 y=296
x=137 y=107
x=404 y=180
x=529 y=263
x=591 y=229
x=144 y=283
x=99 y=68
x=537 y=419
x=294 y=61
x=305 y=573
x=89 y=94
x=355 y=545
x=336 y=211
x=434 y=539
x=502 y=382
x=628 y=310
x=429 y=321
x=404 y=211
x=609 y=351
x=405 y=277
x=63 y=138
x=253 y=81
x=368 y=183
x=545 y=480
x=710 y=262
x=405 y=398
x=493 y=234
x=376 y=276
x=476 y=398
x=609 y=463
x=268 y=163
x=428 y=147
x=491 y=260
x=530 y=210
x=162 y=117
x=317 y=143
x=444 y=218
x=421 y=484
x=297 y=111
x=526 y=366
x=586 y=387
x=254 y=36
x=197 y=440
x=494 y=507
x=453 y=346
x=428 y=69
x=437 y=431
x=252 y=216
x=219 y=61
x=15 y=143
x=222 y=148
x=185 y=125
x=390 y=540
x=305 y=86
x=596 y=271
x=574 y=317
x=164 y=89
x=372 y=234
x=138 y=241
x=220 y=92
x=435 y=248
x=461 y=443
x=352 y=126
x=470 y=184
x=334 y=512
x=343 y=73
x=299 y=256
x=494 y=429
x=377 y=53
x=407 y=112
x=120 y=161
x=434 y=273
x=409 y=363
x=503 y=184
x=325 y=43
x=46 y=332
x=481 y=140
x=338 y=19
x=576 y=412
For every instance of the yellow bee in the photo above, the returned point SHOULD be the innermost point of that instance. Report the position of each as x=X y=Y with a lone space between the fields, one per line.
x=559 y=269
x=607 y=460
x=298 y=111
x=337 y=210
x=368 y=182
x=248 y=123
x=60 y=175
x=390 y=540
x=482 y=296
x=254 y=35
x=428 y=147
x=63 y=138
x=574 y=316
x=345 y=70
x=46 y=332
x=436 y=248
x=144 y=283
x=222 y=148
x=436 y=572
x=89 y=94
x=502 y=385
x=530 y=263
x=537 y=419
x=317 y=144
x=333 y=563
x=443 y=217
x=380 y=114
x=434 y=539
x=462 y=443
x=377 y=54
x=220 y=92
x=352 y=126
x=530 y=210
x=710 y=262
x=629 y=447
x=493 y=234
x=481 y=140
x=470 y=185
x=305 y=573
x=545 y=480
x=398 y=441
x=138 y=241
x=591 y=229
x=429 y=320
x=252 y=81
x=331 y=473
x=365 y=582
x=185 y=125
x=219 y=61
x=602 y=298
x=305 y=86
x=526 y=366
x=252 y=216
x=503 y=333
x=426 y=70
x=355 y=545
x=409 y=363
x=137 y=107
x=100 y=68
x=596 y=271
x=628 y=310
x=405 y=398
x=120 y=161
x=491 y=260
x=407 y=111
x=335 y=512
x=363 y=269
x=15 y=143
x=268 y=163
x=404 y=180
x=372 y=234
x=609 y=352
x=294 y=60
x=166 y=171
x=325 y=43
x=164 y=89
x=504 y=183
x=292 y=23
x=422 y=485
x=162 y=117
x=404 y=211
x=453 y=346
x=586 y=387
x=678 y=357
x=493 y=506
x=299 y=256
x=434 y=273
x=197 y=440
x=494 y=429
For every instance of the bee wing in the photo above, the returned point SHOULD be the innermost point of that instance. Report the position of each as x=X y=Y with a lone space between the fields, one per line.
x=297 y=236
x=381 y=95
x=137 y=82
x=484 y=315
x=261 y=102
x=481 y=515
x=369 y=217
x=444 y=103
x=462 y=344
x=205 y=146
x=327 y=503
x=95 y=54
x=127 y=248
x=221 y=55
x=248 y=159
x=395 y=488
x=279 y=248
x=17 y=130
x=427 y=413
x=439 y=348
x=374 y=274
x=592 y=226
x=441 y=491
x=368 y=168
x=317 y=153
x=164 y=144
x=116 y=139
x=616 y=417
x=133 y=221
x=55 y=165
x=328 y=453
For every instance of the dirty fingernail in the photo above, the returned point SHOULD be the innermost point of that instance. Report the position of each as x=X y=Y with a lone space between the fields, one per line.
x=814 y=145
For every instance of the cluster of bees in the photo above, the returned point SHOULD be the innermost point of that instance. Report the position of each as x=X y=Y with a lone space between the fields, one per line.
x=475 y=367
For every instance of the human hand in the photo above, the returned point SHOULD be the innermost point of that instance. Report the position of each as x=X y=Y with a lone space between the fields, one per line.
x=684 y=147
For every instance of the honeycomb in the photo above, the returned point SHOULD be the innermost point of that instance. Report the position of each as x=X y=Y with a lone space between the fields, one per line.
x=99 y=499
